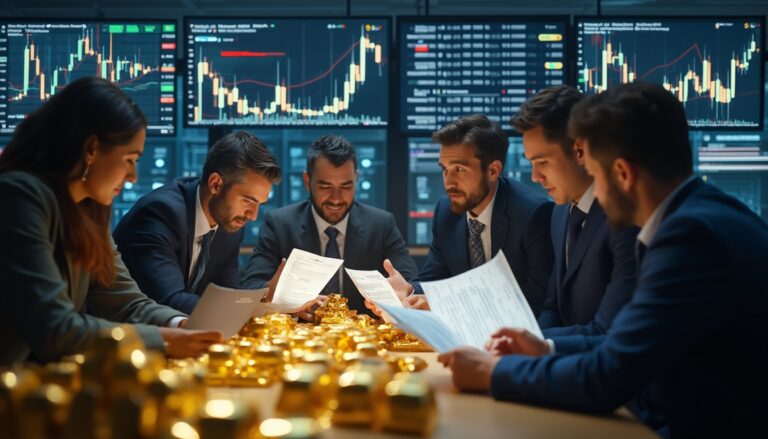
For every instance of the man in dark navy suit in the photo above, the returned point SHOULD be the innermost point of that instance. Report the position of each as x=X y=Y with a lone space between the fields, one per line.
x=594 y=270
x=483 y=213
x=330 y=223
x=689 y=347
x=179 y=238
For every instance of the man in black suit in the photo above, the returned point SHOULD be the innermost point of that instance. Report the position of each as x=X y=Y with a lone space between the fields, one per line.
x=330 y=223
x=594 y=270
x=686 y=354
x=483 y=213
x=180 y=237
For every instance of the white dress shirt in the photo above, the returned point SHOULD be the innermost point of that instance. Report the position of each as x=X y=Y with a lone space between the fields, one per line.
x=584 y=204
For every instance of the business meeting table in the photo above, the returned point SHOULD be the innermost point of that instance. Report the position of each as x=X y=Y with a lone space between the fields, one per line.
x=463 y=415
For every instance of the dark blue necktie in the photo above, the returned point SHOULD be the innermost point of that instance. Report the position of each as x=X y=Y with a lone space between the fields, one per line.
x=575 y=221
x=476 y=252
x=332 y=251
x=202 y=260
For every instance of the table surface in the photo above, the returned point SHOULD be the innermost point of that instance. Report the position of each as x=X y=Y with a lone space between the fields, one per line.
x=462 y=415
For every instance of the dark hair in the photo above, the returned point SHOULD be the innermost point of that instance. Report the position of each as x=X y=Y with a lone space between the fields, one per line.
x=549 y=109
x=641 y=122
x=486 y=137
x=50 y=143
x=238 y=152
x=335 y=148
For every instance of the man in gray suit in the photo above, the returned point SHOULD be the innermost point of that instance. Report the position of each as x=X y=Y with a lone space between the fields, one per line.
x=331 y=223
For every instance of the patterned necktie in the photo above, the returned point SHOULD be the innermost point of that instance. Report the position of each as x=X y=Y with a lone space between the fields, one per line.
x=332 y=251
x=476 y=252
x=202 y=260
x=575 y=221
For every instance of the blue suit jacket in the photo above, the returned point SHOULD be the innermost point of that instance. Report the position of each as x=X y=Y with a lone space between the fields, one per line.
x=693 y=335
x=519 y=227
x=371 y=237
x=155 y=239
x=584 y=298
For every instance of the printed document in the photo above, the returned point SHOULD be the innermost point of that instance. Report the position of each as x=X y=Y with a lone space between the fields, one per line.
x=303 y=278
x=472 y=306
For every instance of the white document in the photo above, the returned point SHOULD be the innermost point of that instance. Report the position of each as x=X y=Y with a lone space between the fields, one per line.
x=303 y=278
x=466 y=309
x=425 y=325
x=225 y=309
x=374 y=287
x=476 y=303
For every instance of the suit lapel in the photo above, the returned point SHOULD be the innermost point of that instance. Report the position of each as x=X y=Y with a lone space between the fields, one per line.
x=188 y=190
x=353 y=244
x=310 y=241
x=559 y=230
x=499 y=219
x=595 y=219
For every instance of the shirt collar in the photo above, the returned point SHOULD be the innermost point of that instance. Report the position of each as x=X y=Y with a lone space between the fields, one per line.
x=322 y=224
x=654 y=221
x=201 y=222
x=586 y=200
x=485 y=216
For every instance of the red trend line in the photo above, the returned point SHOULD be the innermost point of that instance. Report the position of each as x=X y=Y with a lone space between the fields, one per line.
x=695 y=46
x=245 y=53
x=302 y=84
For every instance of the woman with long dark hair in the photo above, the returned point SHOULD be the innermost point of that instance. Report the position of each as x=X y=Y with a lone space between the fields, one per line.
x=58 y=176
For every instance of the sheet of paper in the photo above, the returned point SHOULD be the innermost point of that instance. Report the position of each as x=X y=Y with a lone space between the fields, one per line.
x=303 y=278
x=374 y=287
x=476 y=303
x=425 y=325
x=225 y=309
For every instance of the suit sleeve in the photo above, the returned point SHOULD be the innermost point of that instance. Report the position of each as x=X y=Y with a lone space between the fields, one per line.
x=434 y=267
x=539 y=255
x=550 y=313
x=265 y=259
x=622 y=284
x=396 y=251
x=677 y=305
x=147 y=245
x=40 y=310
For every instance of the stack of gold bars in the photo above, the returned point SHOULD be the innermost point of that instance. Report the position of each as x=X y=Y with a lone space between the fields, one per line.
x=336 y=372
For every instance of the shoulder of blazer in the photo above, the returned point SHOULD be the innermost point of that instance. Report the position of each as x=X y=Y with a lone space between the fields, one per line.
x=368 y=213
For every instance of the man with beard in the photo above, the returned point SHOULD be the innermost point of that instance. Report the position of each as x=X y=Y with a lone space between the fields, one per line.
x=330 y=223
x=179 y=238
x=594 y=269
x=483 y=213
x=686 y=354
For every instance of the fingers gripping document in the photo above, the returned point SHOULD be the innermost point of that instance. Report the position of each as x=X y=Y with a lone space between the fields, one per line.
x=374 y=287
x=303 y=278
x=470 y=306
x=225 y=309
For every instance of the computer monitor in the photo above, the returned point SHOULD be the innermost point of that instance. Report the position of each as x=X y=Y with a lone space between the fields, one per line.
x=454 y=66
x=38 y=57
x=286 y=72
x=713 y=65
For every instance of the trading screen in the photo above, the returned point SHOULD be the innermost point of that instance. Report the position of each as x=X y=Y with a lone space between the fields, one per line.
x=287 y=72
x=713 y=66
x=38 y=58
x=451 y=68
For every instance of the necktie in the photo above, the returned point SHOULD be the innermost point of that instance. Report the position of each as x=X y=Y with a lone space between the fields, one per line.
x=476 y=252
x=575 y=220
x=332 y=251
x=202 y=260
